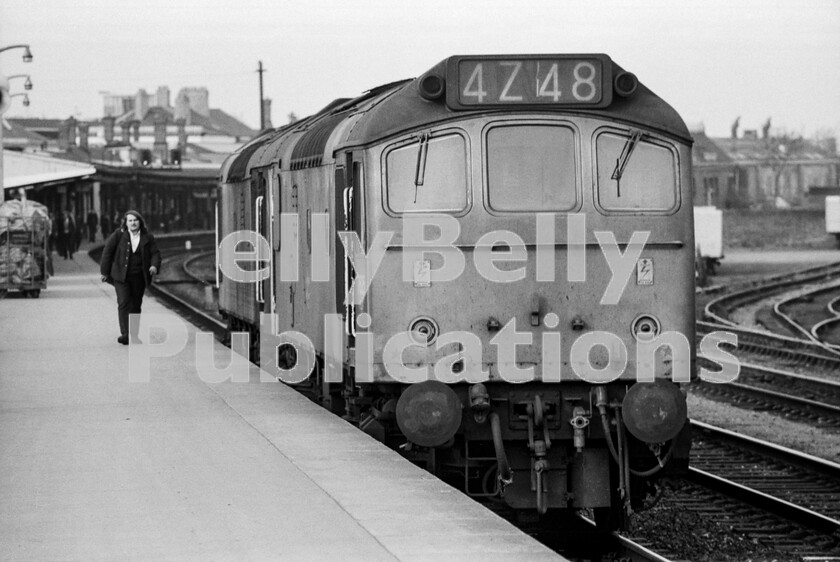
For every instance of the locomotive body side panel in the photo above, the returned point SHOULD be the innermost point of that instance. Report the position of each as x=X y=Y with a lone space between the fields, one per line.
x=236 y=214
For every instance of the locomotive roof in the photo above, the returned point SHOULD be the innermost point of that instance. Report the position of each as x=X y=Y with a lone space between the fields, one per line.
x=397 y=107
x=406 y=109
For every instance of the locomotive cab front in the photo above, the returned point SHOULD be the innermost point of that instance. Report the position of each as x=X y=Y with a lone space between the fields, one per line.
x=538 y=264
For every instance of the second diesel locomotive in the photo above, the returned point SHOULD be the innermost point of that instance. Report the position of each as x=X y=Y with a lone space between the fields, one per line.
x=489 y=267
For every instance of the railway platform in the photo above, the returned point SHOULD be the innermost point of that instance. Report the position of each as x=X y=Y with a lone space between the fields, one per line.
x=98 y=466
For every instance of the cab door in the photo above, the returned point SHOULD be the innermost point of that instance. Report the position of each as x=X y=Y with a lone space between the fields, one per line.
x=348 y=218
x=262 y=218
x=284 y=246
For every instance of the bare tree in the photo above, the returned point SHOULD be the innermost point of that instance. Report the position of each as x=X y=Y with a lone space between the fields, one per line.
x=781 y=150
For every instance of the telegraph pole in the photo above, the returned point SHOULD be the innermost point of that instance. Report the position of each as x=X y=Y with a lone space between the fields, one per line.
x=260 y=70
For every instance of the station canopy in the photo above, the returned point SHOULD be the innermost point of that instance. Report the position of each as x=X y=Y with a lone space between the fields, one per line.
x=23 y=169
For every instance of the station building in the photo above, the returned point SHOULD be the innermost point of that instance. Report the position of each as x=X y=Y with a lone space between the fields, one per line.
x=144 y=153
x=752 y=170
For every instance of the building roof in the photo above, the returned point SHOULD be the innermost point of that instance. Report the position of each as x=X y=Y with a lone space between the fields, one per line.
x=34 y=124
x=706 y=152
x=47 y=128
x=186 y=178
x=22 y=169
x=230 y=124
x=217 y=122
x=15 y=135
x=751 y=149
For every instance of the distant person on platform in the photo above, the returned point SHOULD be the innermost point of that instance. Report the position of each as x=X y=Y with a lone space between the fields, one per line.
x=80 y=231
x=92 y=223
x=129 y=261
x=66 y=235
x=105 y=225
x=53 y=244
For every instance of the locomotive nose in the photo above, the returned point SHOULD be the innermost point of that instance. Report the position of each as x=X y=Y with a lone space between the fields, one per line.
x=429 y=413
x=654 y=412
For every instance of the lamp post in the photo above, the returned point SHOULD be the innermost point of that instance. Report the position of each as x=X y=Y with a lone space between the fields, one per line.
x=5 y=101
x=26 y=85
x=4 y=104
x=27 y=54
x=25 y=98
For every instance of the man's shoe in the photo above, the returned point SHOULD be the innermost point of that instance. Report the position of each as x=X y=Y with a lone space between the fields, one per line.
x=135 y=341
x=123 y=340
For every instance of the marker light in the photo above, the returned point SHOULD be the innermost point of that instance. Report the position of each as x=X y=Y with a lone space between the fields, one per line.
x=625 y=84
x=431 y=87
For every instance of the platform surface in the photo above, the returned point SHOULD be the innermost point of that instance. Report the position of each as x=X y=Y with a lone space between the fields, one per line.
x=95 y=466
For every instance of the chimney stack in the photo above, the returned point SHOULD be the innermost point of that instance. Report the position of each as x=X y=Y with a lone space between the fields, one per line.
x=84 y=131
x=141 y=104
x=182 y=135
x=67 y=138
x=182 y=107
x=108 y=125
x=267 y=114
x=162 y=97
x=160 y=150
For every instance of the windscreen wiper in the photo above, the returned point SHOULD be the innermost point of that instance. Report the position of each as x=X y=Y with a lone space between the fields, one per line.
x=420 y=172
x=624 y=157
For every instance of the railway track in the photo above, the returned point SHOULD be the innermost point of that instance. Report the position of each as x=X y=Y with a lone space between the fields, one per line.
x=806 y=488
x=189 y=293
x=749 y=496
x=720 y=309
x=811 y=399
x=798 y=312
x=828 y=330
x=795 y=352
x=809 y=312
x=622 y=547
x=729 y=506
x=790 y=500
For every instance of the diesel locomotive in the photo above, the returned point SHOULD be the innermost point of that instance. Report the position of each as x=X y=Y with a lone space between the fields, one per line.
x=489 y=267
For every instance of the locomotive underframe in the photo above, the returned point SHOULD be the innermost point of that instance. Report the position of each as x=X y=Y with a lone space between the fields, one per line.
x=559 y=449
x=560 y=459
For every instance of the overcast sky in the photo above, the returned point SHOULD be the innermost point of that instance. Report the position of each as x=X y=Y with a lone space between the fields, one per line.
x=712 y=60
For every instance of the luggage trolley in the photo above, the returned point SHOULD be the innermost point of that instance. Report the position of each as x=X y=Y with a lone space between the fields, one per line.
x=24 y=254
